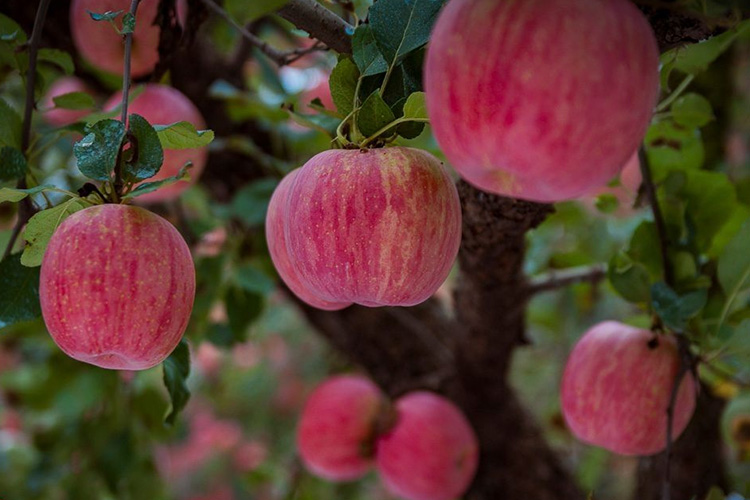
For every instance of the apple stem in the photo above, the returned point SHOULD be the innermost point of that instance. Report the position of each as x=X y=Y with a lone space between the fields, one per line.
x=661 y=229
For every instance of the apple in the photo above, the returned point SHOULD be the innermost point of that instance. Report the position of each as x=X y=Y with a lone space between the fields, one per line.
x=554 y=104
x=63 y=117
x=336 y=426
x=276 y=221
x=117 y=286
x=431 y=453
x=617 y=385
x=374 y=227
x=163 y=105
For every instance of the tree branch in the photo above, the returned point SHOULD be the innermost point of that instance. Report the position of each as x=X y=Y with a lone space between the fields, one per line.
x=320 y=22
x=661 y=229
x=564 y=277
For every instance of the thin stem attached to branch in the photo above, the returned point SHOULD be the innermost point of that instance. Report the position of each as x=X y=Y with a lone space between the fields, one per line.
x=661 y=228
x=564 y=277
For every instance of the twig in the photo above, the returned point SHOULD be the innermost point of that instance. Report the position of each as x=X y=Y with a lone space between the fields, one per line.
x=321 y=23
x=281 y=58
x=661 y=229
x=564 y=277
x=26 y=208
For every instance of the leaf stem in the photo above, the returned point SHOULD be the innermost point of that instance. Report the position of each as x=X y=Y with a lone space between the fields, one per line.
x=661 y=228
x=394 y=123
x=675 y=94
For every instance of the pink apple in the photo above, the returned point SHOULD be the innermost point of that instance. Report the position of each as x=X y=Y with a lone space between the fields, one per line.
x=555 y=102
x=163 y=105
x=337 y=424
x=117 y=287
x=374 y=227
x=616 y=389
x=62 y=117
x=431 y=453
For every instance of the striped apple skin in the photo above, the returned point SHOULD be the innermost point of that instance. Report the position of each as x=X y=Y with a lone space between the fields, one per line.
x=117 y=287
x=616 y=389
x=374 y=227
x=276 y=218
x=543 y=100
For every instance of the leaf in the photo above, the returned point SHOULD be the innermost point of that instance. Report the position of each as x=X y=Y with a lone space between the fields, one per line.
x=692 y=110
x=59 y=58
x=19 y=292
x=42 y=226
x=150 y=187
x=252 y=279
x=10 y=126
x=16 y=195
x=734 y=263
x=245 y=11
x=109 y=15
x=629 y=279
x=715 y=494
x=710 y=200
x=250 y=203
x=695 y=58
x=12 y=164
x=176 y=371
x=374 y=115
x=607 y=203
x=74 y=100
x=128 y=23
x=673 y=309
x=11 y=30
x=415 y=106
x=97 y=152
x=670 y=147
x=343 y=85
x=150 y=156
x=183 y=135
x=366 y=53
x=402 y=26
x=243 y=307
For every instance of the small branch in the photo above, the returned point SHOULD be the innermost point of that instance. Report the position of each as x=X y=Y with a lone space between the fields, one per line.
x=661 y=229
x=281 y=58
x=562 y=278
x=321 y=23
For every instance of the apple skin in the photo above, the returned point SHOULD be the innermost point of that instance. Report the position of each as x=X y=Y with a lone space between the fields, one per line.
x=117 y=287
x=375 y=227
x=63 y=117
x=276 y=219
x=337 y=423
x=163 y=105
x=431 y=453
x=616 y=389
x=555 y=102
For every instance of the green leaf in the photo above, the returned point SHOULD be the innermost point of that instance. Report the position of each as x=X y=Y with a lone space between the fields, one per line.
x=692 y=110
x=715 y=494
x=245 y=11
x=10 y=126
x=243 y=308
x=12 y=164
x=16 y=195
x=734 y=263
x=252 y=279
x=670 y=147
x=415 y=106
x=607 y=203
x=710 y=200
x=183 y=135
x=42 y=226
x=695 y=58
x=97 y=152
x=645 y=248
x=59 y=58
x=128 y=23
x=19 y=292
x=250 y=203
x=673 y=309
x=11 y=30
x=366 y=53
x=176 y=372
x=343 y=85
x=74 y=100
x=374 y=115
x=629 y=279
x=402 y=26
x=150 y=187
x=109 y=15
x=150 y=156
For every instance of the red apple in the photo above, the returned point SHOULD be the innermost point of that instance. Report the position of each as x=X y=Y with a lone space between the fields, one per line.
x=616 y=389
x=276 y=221
x=555 y=102
x=117 y=287
x=374 y=227
x=163 y=105
x=431 y=453
x=337 y=424
x=62 y=117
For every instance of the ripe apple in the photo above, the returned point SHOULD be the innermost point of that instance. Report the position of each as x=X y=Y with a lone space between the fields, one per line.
x=616 y=389
x=163 y=105
x=276 y=221
x=62 y=117
x=117 y=287
x=431 y=453
x=554 y=104
x=337 y=424
x=374 y=227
